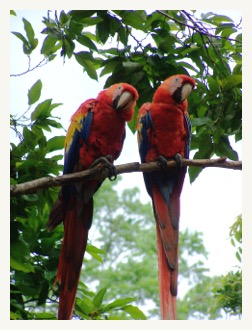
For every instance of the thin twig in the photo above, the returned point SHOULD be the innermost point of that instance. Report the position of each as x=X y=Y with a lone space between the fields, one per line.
x=196 y=28
x=39 y=65
x=101 y=172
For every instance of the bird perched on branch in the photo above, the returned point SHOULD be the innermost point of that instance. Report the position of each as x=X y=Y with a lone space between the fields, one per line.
x=96 y=133
x=164 y=133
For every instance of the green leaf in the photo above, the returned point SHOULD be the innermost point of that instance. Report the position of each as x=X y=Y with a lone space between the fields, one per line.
x=20 y=254
x=67 y=48
x=200 y=121
x=30 y=34
x=135 y=312
x=205 y=146
x=239 y=37
x=30 y=137
x=27 y=47
x=188 y=66
x=52 y=57
x=88 y=21
x=93 y=251
x=41 y=110
x=232 y=81
x=228 y=31
x=21 y=37
x=223 y=148
x=237 y=254
x=111 y=66
x=132 y=66
x=13 y=13
x=213 y=85
x=55 y=143
x=54 y=123
x=15 y=316
x=49 y=46
x=218 y=19
x=119 y=303
x=194 y=173
x=23 y=267
x=85 y=41
x=84 y=56
x=29 y=30
x=35 y=92
x=92 y=248
x=103 y=29
x=136 y=19
x=85 y=304
x=64 y=18
x=98 y=298
x=52 y=32
x=30 y=198
x=43 y=316
x=78 y=15
x=86 y=60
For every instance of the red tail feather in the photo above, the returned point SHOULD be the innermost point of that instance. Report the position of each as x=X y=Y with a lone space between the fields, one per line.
x=72 y=253
x=167 y=244
x=167 y=300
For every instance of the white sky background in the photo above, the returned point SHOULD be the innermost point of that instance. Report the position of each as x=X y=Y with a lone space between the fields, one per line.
x=209 y=205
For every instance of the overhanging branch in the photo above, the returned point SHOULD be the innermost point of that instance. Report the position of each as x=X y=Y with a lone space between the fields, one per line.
x=101 y=172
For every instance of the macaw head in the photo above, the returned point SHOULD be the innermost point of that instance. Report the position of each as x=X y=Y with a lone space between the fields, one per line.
x=175 y=88
x=122 y=98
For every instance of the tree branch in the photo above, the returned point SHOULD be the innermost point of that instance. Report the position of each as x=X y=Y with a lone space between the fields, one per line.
x=43 y=62
x=101 y=172
x=195 y=27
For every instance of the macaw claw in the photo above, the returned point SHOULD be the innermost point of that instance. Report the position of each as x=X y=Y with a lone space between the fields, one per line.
x=163 y=163
x=178 y=159
x=106 y=161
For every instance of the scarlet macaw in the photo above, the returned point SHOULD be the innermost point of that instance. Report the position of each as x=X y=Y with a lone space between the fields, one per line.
x=164 y=133
x=97 y=129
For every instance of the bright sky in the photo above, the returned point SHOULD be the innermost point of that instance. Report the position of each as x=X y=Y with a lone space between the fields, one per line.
x=210 y=205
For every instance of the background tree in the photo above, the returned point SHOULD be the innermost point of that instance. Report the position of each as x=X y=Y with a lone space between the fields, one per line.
x=141 y=48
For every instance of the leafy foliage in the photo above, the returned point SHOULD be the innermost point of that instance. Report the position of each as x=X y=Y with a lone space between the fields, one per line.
x=141 y=48
x=149 y=48
x=229 y=289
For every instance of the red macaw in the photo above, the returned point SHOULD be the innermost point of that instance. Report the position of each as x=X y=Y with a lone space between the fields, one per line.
x=164 y=132
x=97 y=129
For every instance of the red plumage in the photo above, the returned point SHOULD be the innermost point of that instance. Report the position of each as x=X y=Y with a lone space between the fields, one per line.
x=97 y=130
x=164 y=130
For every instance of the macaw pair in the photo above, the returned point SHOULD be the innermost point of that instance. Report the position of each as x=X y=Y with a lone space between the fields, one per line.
x=96 y=133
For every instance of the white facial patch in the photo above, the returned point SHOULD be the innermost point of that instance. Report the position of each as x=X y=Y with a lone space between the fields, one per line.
x=176 y=83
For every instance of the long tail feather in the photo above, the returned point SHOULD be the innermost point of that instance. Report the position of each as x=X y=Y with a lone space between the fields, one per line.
x=76 y=228
x=167 y=244
x=167 y=300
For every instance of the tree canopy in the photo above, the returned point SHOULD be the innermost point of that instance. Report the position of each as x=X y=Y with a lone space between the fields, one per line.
x=141 y=48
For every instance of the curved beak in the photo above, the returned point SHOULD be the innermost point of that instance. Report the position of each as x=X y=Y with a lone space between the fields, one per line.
x=121 y=101
x=182 y=92
x=185 y=92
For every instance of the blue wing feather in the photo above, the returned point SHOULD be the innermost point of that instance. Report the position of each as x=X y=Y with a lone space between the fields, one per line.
x=72 y=156
x=189 y=129
x=144 y=146
x=164 y=181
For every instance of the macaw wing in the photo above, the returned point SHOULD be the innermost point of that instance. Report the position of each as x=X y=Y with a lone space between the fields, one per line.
x=175 y=176
x=164 y=182
x=145 y=124
x=77 y=135
x=189 y=130
x=78 y=132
